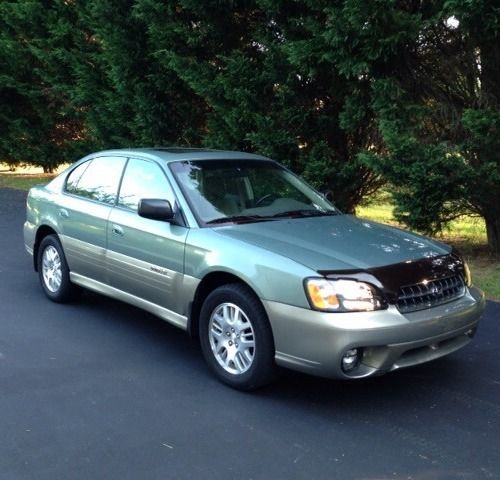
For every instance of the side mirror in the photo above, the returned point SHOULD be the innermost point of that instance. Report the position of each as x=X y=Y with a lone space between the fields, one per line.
x=155 y=209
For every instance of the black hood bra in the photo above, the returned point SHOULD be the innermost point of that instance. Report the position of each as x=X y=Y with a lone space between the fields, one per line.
x=391 y=279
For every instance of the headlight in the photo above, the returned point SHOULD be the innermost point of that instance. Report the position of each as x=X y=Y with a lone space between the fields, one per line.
x=342 y=295
x=468 y=276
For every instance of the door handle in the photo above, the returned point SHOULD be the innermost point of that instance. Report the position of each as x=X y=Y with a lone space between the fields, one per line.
x=117 y=230
x=63 y=213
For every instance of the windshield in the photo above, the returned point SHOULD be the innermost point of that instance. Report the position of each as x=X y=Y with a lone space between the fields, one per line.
x=237 y=191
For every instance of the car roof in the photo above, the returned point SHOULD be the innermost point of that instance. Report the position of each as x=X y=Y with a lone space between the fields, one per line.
x=175 y=154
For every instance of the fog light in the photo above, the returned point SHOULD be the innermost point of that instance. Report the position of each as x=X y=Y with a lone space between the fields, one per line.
x=350 y=360
x=470 y=333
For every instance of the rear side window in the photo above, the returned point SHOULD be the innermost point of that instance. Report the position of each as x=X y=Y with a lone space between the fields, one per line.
x=97 y=179
x=143 y=179
x=75 y=175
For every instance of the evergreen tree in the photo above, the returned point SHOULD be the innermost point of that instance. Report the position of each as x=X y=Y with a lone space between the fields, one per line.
x=433 y=86
x=347 y=93
x=34 y=121
x=129 y=99
x=265 y=73
x=78 y=76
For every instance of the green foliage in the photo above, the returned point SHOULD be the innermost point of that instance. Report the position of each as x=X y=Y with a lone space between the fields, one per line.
x=35 y=119
x=349 y=93
x=433 y=74
x=265 y=73
x=78 y=77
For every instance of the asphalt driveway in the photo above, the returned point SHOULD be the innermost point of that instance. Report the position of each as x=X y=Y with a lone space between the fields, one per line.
x=101 y=390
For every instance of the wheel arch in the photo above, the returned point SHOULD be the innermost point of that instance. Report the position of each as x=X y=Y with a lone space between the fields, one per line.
x=208 y=284
x=42 y=232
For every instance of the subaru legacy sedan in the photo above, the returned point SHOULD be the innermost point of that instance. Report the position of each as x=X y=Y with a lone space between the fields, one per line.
x=240 y=252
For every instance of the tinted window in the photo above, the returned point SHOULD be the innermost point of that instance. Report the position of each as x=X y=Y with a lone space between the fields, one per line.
x=143 y=179
x=97 y=179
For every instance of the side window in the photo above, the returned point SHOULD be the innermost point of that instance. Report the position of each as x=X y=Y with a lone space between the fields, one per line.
x=143 y=179
x=97 y=179
x=74 y=176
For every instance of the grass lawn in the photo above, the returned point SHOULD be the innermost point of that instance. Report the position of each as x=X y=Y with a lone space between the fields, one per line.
x=22 y=181
x=23 y=178
x=468 y=234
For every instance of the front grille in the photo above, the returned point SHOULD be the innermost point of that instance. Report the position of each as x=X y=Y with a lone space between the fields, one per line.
x=430 y=294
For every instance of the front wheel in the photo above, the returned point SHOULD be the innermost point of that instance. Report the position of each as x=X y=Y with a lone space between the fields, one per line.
x=236 y=339
x=53 y=270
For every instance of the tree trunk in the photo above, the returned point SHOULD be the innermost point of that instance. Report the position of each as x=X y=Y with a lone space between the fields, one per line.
x=493 y=234
x=48 y=169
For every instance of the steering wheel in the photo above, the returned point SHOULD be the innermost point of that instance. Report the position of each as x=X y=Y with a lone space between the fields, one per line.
x=262 y=199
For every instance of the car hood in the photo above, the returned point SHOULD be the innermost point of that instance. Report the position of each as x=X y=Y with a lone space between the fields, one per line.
x=340 y=242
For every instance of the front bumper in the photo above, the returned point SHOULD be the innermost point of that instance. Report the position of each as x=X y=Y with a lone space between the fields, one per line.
x=315 y=342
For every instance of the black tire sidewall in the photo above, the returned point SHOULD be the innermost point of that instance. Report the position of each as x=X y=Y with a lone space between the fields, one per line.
x=262 y=369
x=65 y=291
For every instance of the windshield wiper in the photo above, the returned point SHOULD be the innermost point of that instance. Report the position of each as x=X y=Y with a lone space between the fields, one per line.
x=266 y=218
x=238 y=219
x=304 y=213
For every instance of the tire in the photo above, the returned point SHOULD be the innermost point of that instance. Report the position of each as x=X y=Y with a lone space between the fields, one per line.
x=236 y=338
x=53 y=271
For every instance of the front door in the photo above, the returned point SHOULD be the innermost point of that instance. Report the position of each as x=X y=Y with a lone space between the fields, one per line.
x=145 y=258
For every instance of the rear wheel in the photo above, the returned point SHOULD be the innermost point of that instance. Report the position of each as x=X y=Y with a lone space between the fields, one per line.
x=53 y=270
x=236 y=338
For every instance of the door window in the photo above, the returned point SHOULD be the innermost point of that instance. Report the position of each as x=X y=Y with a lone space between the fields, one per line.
x=97 y=179
x=143 y=179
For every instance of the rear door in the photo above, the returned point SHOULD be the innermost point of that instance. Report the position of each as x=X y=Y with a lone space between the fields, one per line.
x=145 y=257
x=89 y=195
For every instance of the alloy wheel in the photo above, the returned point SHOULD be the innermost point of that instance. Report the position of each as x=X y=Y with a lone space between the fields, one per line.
x=52 y=269
x=232 y=338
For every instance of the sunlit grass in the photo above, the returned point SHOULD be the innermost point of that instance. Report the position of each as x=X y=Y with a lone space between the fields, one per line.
x=466 y=230
x=379 y=213
x=23 y=181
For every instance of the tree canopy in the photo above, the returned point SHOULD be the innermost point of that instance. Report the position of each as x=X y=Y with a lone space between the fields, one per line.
x=434 y=76
x=350 y=94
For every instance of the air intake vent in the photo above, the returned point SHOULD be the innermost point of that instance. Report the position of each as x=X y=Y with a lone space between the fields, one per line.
x=430 y=294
